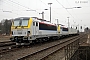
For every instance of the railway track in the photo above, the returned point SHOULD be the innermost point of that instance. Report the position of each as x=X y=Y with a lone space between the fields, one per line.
x=7 y=46
x=6 y=43
x=43 y=53
x=7 y=49
x=17 y=53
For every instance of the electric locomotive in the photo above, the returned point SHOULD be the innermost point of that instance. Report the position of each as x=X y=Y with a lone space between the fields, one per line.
x=31 y=29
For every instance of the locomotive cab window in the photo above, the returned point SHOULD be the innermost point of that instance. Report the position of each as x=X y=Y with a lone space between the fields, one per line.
x=36 y=23
x=21 y=21
x=33 y=23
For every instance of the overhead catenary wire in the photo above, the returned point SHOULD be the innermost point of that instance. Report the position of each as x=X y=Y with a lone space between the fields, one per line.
x=25 y=6
x=9 y=11
x=22 y=5
x=28 y=7
x=65 y=8
x=72 y=9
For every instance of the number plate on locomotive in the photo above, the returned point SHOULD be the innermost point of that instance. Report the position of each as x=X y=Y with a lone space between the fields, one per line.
x=19 y=32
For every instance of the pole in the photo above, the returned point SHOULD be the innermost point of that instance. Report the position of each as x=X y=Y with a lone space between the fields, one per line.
x=57 y=21
x=68 y=24
x=78 y=27
x=42 y=15
x=50 y=10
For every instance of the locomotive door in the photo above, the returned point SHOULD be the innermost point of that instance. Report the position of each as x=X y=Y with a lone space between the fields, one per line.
x=35 y=28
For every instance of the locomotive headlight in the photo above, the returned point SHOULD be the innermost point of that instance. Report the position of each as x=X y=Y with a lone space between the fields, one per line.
x=28 y=33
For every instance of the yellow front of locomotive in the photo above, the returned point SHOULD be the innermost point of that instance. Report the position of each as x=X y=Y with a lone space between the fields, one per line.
x=21 y=29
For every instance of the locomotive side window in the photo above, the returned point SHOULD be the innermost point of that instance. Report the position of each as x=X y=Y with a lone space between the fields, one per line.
x=33 y=23
x=47 y=27
x=36 y=23
x=65 y=29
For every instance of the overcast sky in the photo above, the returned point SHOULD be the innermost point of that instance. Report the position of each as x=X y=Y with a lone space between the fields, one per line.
x=60 y=9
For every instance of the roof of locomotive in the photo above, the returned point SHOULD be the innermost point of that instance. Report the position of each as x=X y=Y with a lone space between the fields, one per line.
x=29 y=18
x=44 y=21
x=37 y=19
x=24 y=18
